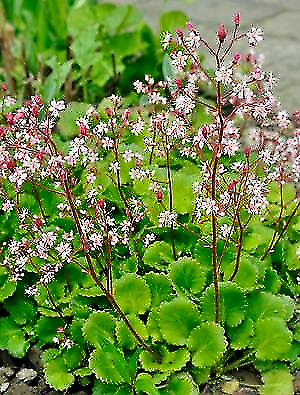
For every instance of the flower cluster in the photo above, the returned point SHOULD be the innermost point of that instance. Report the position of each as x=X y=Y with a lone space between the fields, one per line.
x=118 y=172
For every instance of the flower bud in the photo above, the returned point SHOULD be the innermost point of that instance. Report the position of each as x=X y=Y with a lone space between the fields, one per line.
x=4 y=87
x=236 y=57
x=38 y=223
x=101 y=203
x=180 y=33
x=221 y=33
x=159 y=195
x=179 y=83
x=191 y=27
x=247 y=151
x=237 y=19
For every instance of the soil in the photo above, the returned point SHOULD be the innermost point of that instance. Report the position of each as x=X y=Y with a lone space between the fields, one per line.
x=25 y=377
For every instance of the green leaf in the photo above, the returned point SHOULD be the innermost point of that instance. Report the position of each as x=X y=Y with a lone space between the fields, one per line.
x=183 y=194
x=271 y=338
x=177 y=319
x=247 y=274
x=293 y=260
x=53 y=83
x=207 y=344
x=251 y=241
x=202 y=253
x=72 y=357
x=170 y=361
x=160 y=286
x=7 y=287
x=84 y=47
x=240 y=337
x=132 y=293
x=66 y=124
x=264 y=304
x=277 y=381
x=109 y=364
x=99 y=326
x=144 y=384
x=181 y=384
x=12 y=338
x=272 y=281
x=188 y=275
x=125 y=337
x=101 y=388
x=57 y=375
x=21 y=310
x=46 y=329
x=81 y=17
x=160 y=253
x=172 y=20
x=232 y=304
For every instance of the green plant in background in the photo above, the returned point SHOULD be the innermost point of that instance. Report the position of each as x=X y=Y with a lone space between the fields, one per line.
x=159 y=249
x=80 y=50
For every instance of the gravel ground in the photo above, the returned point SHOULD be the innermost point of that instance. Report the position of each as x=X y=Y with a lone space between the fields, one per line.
x=25 y=377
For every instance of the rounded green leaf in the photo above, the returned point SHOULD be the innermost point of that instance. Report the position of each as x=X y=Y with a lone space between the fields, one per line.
x=99 y=326
x=12 y=338
x=233 y=304
x=159 y=253
x=247 y=274
x=188 y=275
x=7 y=287
x=170 y=361
x=207 y=344
x=264 y=304
x=181 y=384
x=183 y=194
x=271 y=338
x=57 y=375
x=160 y=286
x=46 y=328
x=132 y=293
x=177 y=319
x=240 y=337
x=125 y=337
x=277 y=381
x=109 y=364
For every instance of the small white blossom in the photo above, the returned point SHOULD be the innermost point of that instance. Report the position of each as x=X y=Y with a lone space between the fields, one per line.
x=255 y=35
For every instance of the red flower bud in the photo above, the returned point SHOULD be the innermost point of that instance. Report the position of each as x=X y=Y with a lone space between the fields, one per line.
x=237 y=19
x=10 y=164
x=38 y=223
x=180 y=33
x=4 y=87
x=247 y=151
x=236 y=57
x=191 y=27
x=179 y=83
x=108 y=112
x=221 y=33
x=231 y=187
x=101 y=203
x=159 y=195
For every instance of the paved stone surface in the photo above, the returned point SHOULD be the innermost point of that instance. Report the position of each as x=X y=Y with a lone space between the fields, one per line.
x=279 y=20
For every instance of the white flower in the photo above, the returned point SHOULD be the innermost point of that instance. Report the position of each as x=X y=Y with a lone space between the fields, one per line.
x=65 y=251
x=224 y=75
x=55 y=107
x=7 y=206
x=167 y=38
x=255 y=35
x=166 y=218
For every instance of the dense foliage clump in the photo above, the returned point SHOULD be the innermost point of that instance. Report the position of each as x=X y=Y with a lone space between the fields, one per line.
x=158 y=249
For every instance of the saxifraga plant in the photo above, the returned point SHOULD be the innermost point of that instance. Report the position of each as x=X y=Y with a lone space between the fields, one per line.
x=161 y=246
